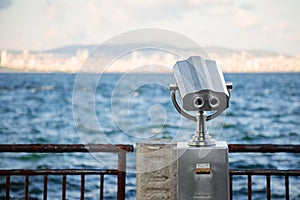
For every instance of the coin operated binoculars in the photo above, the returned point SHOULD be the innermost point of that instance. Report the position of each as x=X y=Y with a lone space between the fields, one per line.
x=203 y=162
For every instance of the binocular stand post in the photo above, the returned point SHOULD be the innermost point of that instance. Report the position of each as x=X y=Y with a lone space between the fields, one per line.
x=201 y=137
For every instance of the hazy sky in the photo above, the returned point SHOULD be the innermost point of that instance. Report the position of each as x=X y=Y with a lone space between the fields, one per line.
x=244 y=24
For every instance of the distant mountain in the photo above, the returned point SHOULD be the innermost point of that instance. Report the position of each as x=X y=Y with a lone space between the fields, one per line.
x=71 y=49
x=222 y=51
x=116 y=49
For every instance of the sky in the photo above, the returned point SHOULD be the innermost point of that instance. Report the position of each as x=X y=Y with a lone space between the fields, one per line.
x=270 y=25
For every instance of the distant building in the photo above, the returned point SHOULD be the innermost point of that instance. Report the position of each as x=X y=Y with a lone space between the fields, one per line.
x=82 y=54
x=3 y=58
x=25 y=54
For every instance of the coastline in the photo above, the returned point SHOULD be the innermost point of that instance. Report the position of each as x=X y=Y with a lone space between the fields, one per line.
x=13 y=70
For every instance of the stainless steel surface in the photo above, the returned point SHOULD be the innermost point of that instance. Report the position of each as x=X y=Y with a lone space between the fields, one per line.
x=176 y=105
x=203 y=172
x=201 y=87
x=197 y=77
x=201 y=137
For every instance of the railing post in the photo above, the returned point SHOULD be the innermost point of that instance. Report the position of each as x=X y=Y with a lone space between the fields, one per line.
x=45 y=187
x=7 y=186
x=287 y=187
x=101 y=186
x=82 y=185
x=26 y=191
x=121 y=174
x=249 y=187
x=64 y=182
x=230 y=186
x=268 y=178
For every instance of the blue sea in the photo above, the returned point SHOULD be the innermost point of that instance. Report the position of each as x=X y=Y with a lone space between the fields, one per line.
x=126 y=108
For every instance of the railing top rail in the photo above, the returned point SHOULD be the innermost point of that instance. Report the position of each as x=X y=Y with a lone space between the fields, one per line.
x=294 y=172
x=65 y=148
x=58 y=172
x=263 y=148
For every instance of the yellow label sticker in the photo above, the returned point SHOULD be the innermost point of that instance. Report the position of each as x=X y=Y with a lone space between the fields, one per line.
x=202 y=168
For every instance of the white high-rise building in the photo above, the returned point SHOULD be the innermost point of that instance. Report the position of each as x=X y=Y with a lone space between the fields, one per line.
x=3 y=58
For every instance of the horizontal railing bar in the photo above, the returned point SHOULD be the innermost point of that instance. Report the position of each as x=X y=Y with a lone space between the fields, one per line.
x=264 y=172
x=263 y=148
x=64 y=148
x=58 y=172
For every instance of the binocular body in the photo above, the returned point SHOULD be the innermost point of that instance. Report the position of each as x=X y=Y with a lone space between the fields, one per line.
x=201 y=85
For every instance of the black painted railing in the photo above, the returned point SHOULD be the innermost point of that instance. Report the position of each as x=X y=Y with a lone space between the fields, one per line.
x=120 y=172
x=268 y=173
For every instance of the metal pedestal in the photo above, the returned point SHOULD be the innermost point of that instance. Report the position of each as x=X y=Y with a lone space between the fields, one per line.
x=203 y=172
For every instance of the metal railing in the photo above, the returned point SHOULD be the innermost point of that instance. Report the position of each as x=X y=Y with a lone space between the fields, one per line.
x=268 y=173
x=120 y=172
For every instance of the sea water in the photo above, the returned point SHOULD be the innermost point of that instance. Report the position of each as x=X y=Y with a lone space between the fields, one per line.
x=41 y=108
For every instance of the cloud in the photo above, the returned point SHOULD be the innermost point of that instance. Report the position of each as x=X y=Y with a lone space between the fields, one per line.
x=234 y=24
x=206 y=2
x=218 y=11
x=246 y=6
x=152 y=3
x=5 y=4
x=245 y=19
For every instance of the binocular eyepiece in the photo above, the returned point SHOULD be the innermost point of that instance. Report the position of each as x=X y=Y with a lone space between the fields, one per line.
x=213 y=102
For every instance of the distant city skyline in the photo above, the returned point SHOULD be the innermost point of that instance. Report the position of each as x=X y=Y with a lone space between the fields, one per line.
x=140 y=61
x=266 y=25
